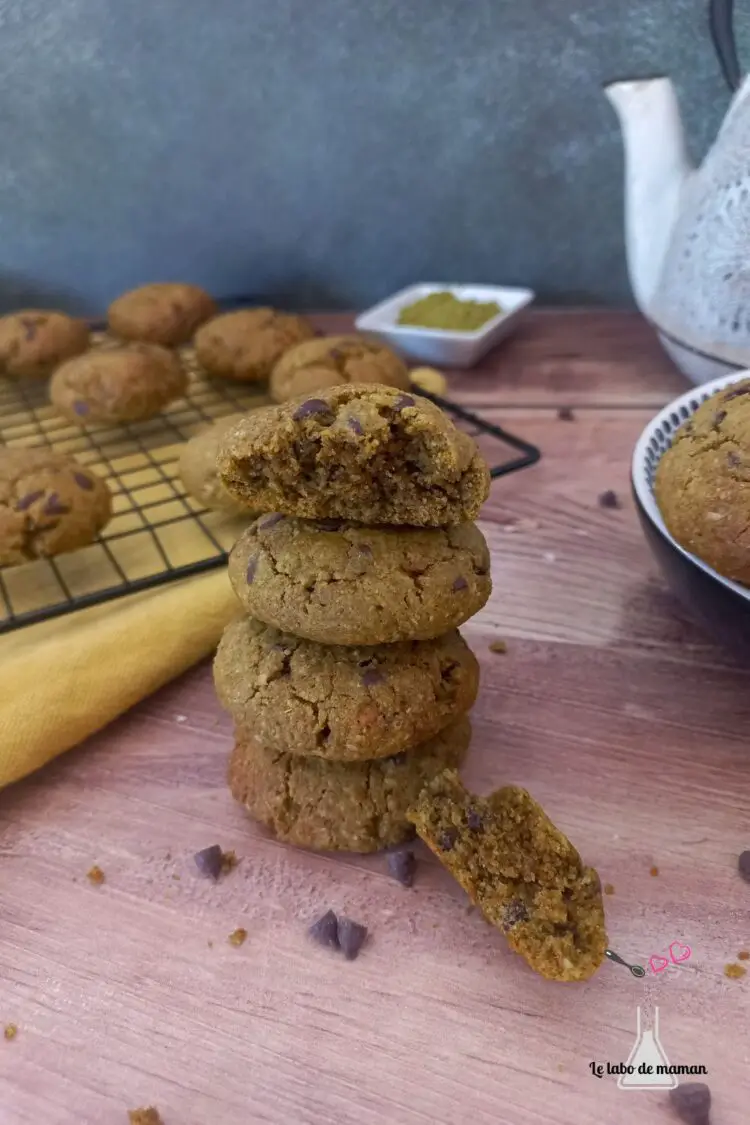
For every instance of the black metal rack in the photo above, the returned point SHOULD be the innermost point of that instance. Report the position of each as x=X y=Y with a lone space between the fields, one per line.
x=158 y=533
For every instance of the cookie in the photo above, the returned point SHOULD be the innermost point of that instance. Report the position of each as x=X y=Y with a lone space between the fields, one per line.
x=197 y=469
x=165 y=312
x=330 y=361
x=118 y=383
x=345 y=584
x=33 y=342
x=244 y=345
x=520 y=870
x=366 y=453
x=345 y=704
x=49 y=504
x=339 y=806
x=702 y=483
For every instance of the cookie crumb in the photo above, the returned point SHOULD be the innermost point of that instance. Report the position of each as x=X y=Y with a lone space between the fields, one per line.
x=691 y=1101
x=95 y=875
x=237 y=937
x=325 y=931
x=228 y=862
x=565 y=414
x=11 y=1031
x=608 y=889
x=499 y=647
x=148 y=1116
x=428 y=379
x=734 y=972
x=743 y=864
x=653 y=871
x=743 y=955
x=352 y=937
x=609 y=499
x=402 y=865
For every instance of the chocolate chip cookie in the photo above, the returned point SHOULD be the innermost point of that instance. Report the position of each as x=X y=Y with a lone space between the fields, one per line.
x=521 y=871
x=197 y=468
x=339 y=806
x=118 y=383
x=164 y=312
x=702 y=483
x=345 y=704
x=49 y=504
x=34 y=341
x=341 y=583
x=330 y=361
x=360 y=452
x=244 y=345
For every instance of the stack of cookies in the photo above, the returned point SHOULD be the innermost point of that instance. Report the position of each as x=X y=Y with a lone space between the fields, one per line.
x=348 y=681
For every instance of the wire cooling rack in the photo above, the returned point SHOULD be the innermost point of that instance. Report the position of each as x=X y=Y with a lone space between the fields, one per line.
x=157 y=533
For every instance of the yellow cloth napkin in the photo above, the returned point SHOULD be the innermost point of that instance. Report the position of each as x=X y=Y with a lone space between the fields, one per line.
x=64 y=679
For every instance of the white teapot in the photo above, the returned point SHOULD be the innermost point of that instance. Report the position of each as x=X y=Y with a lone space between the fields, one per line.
x=687 y=230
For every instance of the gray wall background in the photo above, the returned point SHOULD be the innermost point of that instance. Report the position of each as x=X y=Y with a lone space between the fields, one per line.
x=325 y=152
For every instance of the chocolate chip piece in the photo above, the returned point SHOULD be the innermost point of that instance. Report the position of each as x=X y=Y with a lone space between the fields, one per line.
x=447 y=839
x=80 y=408
x=733 y=460
x=326 y=930
x=719 y=417
x=83 y=481
x=29 y=499
x=271 y=521
x=609 y=499
x=209 y=861
x=403 y=401
x=53 y=506
x=355 y=426
x=371 y=677
x=514 y=913
x=252 y=566
x=402 y=866
x=736 y=393
x=691 y=1101
x=474 y=820
x=565 y=414
x=351 y=937
x=743 y=864
x=459 y=583
x=311 y=407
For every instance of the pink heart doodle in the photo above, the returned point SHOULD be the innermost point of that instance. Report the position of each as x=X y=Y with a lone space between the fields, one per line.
x=660 y=968
x=682 y=954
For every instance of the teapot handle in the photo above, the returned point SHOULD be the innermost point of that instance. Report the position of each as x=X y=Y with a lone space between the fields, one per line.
x=721 y=23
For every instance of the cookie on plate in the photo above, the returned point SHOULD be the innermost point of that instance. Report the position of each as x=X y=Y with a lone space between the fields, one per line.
x=702 y=483
x=164 y=312
x=342 y=703
x=197 y=468
x=49 y=504
x=361 y=452
x=339 y=806
x=118 y=383
x=245 y=344
x=342 y=583
x=33 y=342
x=330 y=361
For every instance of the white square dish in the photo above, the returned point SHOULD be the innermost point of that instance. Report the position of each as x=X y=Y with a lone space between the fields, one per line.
x=433 y=345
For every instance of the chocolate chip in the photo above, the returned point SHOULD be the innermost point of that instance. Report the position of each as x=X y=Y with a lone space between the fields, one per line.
x=743 y=864
x=29 y=499
x=514 y=913
x=609 y=499
x=326 y=930
x=402 y=866
x=271 y=521
x=209 y=861
x=733 y=460
x=736 y=393
x=83 y=481
x=691 y=1101
x=719 y=417
x=355 y=426
x=459 y=583
x=403 y=401
x=371 y=677
x=351 y=937
x=252 y=566
x=565 y=414
x=311 y=407
x=447 y=839
x=53 y=506
x=474 y=820
x=81 y=408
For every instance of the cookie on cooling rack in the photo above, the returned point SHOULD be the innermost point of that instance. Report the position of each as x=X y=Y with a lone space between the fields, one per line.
x=49 y=504
x=245 y=344
x=33 y=342
x=198 y=470
x=165 y=312
x=333 y=360
x=118 y=383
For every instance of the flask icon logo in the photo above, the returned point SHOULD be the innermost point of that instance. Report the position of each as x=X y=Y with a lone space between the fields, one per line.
x=647 y=1067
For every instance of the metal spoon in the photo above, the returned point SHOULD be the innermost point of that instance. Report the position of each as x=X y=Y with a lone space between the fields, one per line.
x=636 y=970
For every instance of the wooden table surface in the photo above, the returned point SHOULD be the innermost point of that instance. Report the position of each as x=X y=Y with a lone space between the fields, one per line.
x=627 y=725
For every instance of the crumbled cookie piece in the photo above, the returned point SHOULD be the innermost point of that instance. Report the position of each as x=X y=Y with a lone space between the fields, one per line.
x=11 y=1031
x=499 y=647
x=238 y=937
x=735 y=972
x=430 y=380
x=743 y=955
x=95 y=875
x=654 y=871
x=691 y=1102
x=352 y=937
x=148 y=1116
x=228 y=861
x=524 y=874
x=402 y=865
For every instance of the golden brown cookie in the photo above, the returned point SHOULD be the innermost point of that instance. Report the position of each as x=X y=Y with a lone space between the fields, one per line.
x=330 y=361
x=521 y=871
x=198 y=471
x=244 y=345
x=702 y=483
x=342 y=583
x=49 y=504
x=339 y=806
x=34 y=341
x=361 y=452
x=164 y=312
x=341 y=703
x=118 y=383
